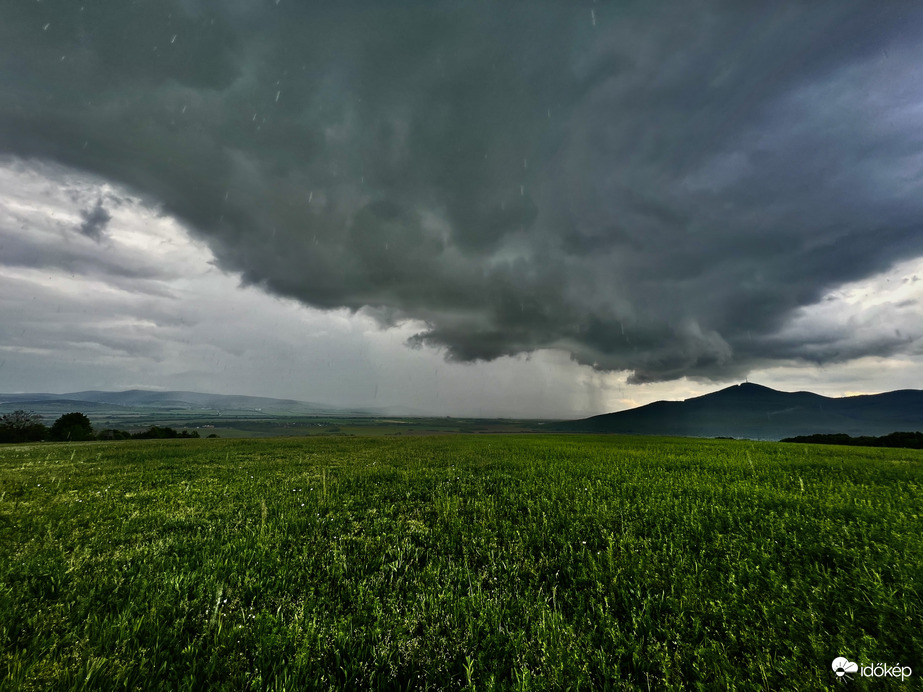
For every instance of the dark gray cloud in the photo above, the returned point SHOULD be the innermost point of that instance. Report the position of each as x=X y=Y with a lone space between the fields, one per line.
x=653 y=187
x=95 y=221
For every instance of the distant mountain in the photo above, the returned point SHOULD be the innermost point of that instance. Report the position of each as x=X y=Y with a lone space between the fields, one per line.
x=756 y=412
x=163 y=401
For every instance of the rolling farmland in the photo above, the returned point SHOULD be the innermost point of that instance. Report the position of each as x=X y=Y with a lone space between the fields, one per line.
x=456 y=562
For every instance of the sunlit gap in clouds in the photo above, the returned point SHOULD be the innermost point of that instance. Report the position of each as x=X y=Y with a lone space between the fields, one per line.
x=866 y=333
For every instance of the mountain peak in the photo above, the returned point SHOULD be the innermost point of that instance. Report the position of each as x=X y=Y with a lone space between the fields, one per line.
x=751 y=387
x=753 y=410
x=748 y=389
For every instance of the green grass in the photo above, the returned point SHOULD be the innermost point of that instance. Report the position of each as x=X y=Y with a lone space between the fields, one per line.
x=456 y=562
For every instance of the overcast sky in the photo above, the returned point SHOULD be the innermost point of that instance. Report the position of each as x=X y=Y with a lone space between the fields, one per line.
x=468 y=208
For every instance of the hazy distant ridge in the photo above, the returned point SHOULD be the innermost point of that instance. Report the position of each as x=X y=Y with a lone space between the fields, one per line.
x=141 y=398
x=758 y=412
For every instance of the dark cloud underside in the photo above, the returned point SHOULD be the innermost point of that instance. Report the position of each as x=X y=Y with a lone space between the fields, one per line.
x=654 y=187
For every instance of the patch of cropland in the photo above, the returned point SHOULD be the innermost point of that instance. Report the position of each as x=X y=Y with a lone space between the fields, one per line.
x=456 y=562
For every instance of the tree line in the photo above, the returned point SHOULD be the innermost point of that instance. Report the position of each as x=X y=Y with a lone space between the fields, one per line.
x=906 y=440
x=27 y=426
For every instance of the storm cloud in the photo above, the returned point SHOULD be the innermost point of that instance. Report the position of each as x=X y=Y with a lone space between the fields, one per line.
x=659 y=188
x=95 y=220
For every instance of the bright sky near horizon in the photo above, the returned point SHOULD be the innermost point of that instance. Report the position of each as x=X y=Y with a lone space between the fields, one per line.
x=500 y=209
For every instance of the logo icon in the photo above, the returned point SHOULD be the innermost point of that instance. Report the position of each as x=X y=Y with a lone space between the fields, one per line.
x=841 y=666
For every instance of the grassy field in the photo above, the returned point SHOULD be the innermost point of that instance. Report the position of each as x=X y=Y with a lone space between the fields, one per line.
x=457 y=562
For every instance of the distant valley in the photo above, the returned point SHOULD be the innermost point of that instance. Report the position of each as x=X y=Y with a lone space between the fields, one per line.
x=146 y=401
x=244 y=416
x=743 y=411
